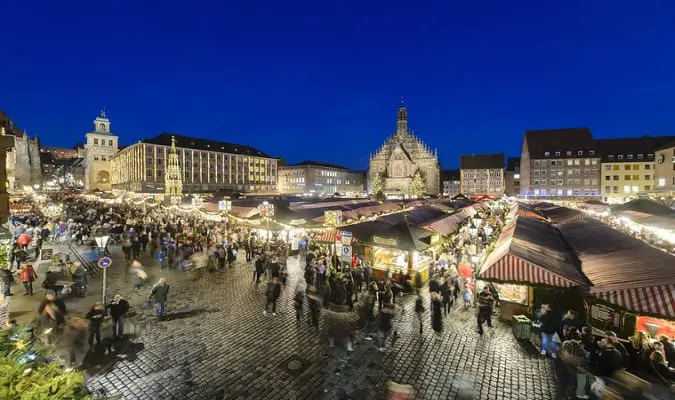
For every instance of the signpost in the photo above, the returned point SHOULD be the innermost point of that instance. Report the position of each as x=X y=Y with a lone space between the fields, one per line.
x=346 y=253
x=104 y=263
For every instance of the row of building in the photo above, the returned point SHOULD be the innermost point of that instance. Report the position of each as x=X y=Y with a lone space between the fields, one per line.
x=571 y=164
x=553 y=164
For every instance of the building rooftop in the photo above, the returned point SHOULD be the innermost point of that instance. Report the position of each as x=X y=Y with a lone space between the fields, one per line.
x=164 y=139
x=316 y=164
x=559 y=140
x=482 y=161
x=513 y=164
x=631 y=146
x=450 y=175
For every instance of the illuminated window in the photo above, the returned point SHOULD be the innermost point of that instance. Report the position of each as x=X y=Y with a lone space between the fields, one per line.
x=662 y=182
x=626 y=189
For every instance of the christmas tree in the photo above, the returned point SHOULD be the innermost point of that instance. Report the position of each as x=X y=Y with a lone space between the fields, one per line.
x=378 y=188
x=29 y=371
x=417 y=186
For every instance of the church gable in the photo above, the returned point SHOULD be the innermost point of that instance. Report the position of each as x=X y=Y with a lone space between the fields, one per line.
x=402 y=156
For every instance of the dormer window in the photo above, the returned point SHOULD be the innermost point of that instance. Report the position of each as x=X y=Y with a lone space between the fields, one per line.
x=557 y=154
x=580 y=153
x=630 y=156
x=620 y=157
x=569 y=153
x=546 y=154
x=611 y=156
x=641 y=156
x=650 y=155
x=591 y=152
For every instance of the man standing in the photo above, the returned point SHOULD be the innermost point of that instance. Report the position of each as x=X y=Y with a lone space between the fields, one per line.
x=273 y=292
x=118 y=308
x=159 y=295
x=485 y=301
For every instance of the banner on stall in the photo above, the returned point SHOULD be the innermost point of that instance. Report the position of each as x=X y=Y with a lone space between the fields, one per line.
x=332 y=217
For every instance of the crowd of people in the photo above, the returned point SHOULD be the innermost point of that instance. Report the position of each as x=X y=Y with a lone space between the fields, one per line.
x=345 y=295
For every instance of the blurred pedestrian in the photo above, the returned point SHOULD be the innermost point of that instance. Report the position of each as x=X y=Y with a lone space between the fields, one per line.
x=273 y=292
x=298 y=301
x=28 y=276
x=159 y=296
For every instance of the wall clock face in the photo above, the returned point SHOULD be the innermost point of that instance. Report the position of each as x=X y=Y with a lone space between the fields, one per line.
x=662 y=159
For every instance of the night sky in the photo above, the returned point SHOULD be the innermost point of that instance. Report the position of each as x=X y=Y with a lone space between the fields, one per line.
x=322 y=80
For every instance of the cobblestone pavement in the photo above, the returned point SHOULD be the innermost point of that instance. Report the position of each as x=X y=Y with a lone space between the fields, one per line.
x=215 y=343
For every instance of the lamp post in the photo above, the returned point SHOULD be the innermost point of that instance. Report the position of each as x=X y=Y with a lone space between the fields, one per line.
x=102 y=243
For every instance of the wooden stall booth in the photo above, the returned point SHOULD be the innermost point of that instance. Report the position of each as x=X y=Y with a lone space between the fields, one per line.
x=529 y=253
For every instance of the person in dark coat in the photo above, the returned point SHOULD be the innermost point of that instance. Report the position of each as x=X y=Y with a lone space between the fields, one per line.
x=231 y=256
x=298 y=302
x=118 y=309
x=96 y=316
x=273 y=292
x=419 y=311
x=357 y=275
x=550 y=325
x=446 y=294
x=349 y=289
x=485 y=304
x=385 y=324
x=436 y=312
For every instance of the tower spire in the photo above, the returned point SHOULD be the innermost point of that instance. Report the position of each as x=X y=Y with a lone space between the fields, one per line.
x=402 y=120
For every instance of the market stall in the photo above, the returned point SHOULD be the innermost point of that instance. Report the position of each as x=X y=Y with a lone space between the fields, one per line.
x=630 y=279
x=395 y=249
x=529 y=253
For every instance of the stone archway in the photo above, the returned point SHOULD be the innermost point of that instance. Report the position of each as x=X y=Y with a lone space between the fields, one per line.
x=103 y=177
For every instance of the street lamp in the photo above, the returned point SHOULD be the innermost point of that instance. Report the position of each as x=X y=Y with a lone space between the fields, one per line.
x=102 y=243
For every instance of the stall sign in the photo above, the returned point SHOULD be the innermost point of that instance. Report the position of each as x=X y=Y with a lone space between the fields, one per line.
x=385 y=241
x=298 y=222
x=346 y=238
x=266 y=210
x=225 y=205
x=605 y=314
x=512 y=293
x=656 y=327
x=332 y=217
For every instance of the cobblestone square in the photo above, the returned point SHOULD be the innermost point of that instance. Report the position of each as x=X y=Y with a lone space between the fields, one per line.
x=215 y=343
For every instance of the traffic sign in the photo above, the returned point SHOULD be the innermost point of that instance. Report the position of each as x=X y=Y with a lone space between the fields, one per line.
x=346 y=253
x=104 y=262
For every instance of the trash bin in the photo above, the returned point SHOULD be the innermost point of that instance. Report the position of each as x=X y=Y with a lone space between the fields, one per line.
x=521 y=327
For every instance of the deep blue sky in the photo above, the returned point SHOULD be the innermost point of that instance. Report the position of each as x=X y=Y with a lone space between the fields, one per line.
x=322 y=80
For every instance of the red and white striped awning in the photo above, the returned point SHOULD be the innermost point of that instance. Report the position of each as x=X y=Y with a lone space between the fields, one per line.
x=656 y=300
x=513 y=269
x=330 y=236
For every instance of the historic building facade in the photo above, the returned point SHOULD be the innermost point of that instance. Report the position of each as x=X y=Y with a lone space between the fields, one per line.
x=560 y=163
x=451 y=182
x=316 y=178
x=482 y=175
x=99 y=151
x=629 y=166
x=205 y=165
x=402 y=159
x=23 y=166
x=512 y=177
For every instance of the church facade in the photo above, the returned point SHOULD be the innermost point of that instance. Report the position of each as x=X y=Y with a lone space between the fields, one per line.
x=397 y=167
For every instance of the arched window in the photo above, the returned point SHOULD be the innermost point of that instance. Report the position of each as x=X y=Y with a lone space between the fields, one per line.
x=103 y=177
x=101 y=127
